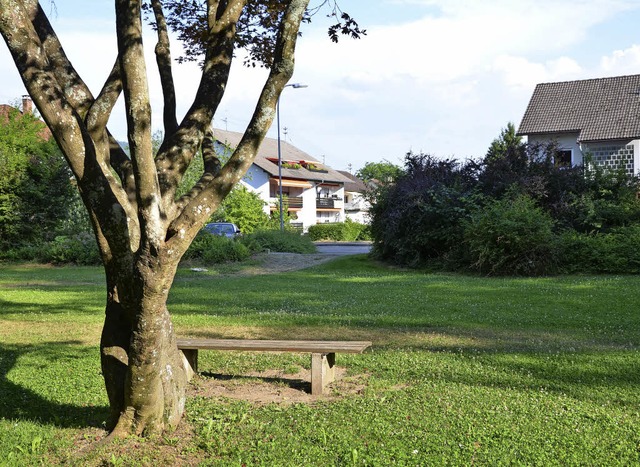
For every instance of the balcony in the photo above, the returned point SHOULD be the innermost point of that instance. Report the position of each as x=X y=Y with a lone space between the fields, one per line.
x=294 y=202
x=329 y=203
x=359 y=205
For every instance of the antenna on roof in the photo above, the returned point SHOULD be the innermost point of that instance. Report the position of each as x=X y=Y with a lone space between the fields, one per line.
x=225 y=120
x=285 y=130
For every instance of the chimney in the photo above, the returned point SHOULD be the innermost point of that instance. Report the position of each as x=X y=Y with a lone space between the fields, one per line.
x=27 y=105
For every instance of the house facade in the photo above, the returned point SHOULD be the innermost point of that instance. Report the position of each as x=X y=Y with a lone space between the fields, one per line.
x=356 y=206
x=312 y=192
x=599 y=117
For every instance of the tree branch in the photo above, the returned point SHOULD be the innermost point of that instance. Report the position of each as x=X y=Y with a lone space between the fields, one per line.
x=136 y=97
x=163 y=59
x=177 y=152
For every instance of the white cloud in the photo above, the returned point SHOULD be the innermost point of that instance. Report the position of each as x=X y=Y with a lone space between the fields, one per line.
x=622 y=62
x=518 y=72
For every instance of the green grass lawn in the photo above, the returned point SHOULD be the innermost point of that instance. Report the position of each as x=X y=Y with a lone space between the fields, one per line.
x=463 y=370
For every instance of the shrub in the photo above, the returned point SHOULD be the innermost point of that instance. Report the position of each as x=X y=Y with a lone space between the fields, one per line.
x=617 y=251
x=511 y=236
x=213 y=249
x=64 y=249
x=348 y=231
x=77 y=249
x=420 y=217
x=244 y=208
x=275 y=240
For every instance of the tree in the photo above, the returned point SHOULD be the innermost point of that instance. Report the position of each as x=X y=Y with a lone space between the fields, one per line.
x=507 y=144
x=35 y=186
x=244 y=208
x=505 y=163
x=142 y=226
x=379 y=172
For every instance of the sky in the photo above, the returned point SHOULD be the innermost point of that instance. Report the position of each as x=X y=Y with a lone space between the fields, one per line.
x=441 y=77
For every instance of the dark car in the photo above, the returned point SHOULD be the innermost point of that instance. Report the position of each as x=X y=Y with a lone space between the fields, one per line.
x=224 y=229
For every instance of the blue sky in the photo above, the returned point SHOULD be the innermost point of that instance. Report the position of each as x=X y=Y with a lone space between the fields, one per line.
x=437 y=76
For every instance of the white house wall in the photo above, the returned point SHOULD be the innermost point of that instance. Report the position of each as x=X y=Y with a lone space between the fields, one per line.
x=614 y=154
x=257 y=180
x=566 y=141
x=307 y=215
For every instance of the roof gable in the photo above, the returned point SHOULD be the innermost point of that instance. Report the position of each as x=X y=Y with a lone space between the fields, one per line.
x=355 y=185
x=269 y=150
x=598 y=109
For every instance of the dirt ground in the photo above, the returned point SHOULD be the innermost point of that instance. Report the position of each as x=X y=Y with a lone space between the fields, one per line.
x=274 y=386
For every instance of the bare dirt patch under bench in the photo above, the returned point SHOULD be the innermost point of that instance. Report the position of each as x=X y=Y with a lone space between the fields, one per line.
x=273 y=386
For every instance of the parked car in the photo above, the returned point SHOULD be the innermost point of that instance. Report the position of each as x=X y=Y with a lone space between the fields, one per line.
x=224 y=229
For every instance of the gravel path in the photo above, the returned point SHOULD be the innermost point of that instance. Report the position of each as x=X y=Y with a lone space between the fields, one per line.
x=283 y=262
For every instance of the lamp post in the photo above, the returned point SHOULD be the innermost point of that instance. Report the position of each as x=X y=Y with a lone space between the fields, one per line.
x=294 y=86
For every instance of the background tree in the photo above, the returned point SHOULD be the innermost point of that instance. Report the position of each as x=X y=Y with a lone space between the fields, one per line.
x=35 y=188
x=379 y=172
x=244 y=208
x=141 y=223
x=420 y=216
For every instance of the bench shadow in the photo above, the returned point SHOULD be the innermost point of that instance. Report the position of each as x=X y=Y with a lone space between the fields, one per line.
x=21 y=403
x=293 y=383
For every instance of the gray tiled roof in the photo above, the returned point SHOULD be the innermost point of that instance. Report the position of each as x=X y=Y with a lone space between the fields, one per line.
x=269 y=149
x=355 y=185
x=599 y=109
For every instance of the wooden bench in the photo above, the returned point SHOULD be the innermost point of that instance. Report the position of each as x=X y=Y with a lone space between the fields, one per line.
x=323 y=353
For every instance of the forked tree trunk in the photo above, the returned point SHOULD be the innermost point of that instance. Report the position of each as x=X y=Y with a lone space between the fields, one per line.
x=141 y=364
x=141 y=225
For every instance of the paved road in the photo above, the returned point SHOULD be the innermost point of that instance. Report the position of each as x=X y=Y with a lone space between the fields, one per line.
x=343 y=248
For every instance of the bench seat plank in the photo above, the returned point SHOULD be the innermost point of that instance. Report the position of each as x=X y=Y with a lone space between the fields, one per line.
x=259 y=345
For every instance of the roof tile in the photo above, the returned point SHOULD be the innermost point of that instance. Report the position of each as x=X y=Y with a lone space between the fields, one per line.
x=599 y=109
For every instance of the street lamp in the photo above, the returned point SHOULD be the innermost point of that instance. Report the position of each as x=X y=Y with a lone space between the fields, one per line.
x=294 y=86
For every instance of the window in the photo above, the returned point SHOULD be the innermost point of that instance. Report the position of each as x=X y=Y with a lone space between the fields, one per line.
x=563 y=158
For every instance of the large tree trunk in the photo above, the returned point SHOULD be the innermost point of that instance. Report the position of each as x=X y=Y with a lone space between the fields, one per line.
x=143 y=370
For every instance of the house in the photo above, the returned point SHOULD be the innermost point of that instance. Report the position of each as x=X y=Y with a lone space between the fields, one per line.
x=27 y=108
x=600 y=117
x=356 y=207
x=313 y=192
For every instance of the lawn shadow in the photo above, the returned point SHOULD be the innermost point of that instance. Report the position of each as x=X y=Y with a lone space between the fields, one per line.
x=22 y=403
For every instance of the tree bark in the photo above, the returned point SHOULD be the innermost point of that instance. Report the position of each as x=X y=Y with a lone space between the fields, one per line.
x=143 y=370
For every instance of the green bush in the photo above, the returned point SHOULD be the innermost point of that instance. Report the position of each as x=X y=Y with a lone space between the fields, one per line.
x=511 y=237
x=213 y=249
x=348 y=231
x=77 y=249
x=275 y=240
x=64 y=249
x=617 y=251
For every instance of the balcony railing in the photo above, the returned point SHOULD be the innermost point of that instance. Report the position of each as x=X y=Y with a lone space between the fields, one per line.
x=328 y=203
x=355 y=206
x=292 y=202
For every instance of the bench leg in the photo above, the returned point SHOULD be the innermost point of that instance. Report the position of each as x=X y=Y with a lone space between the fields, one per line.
x=322 y=371
x=190 y=360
